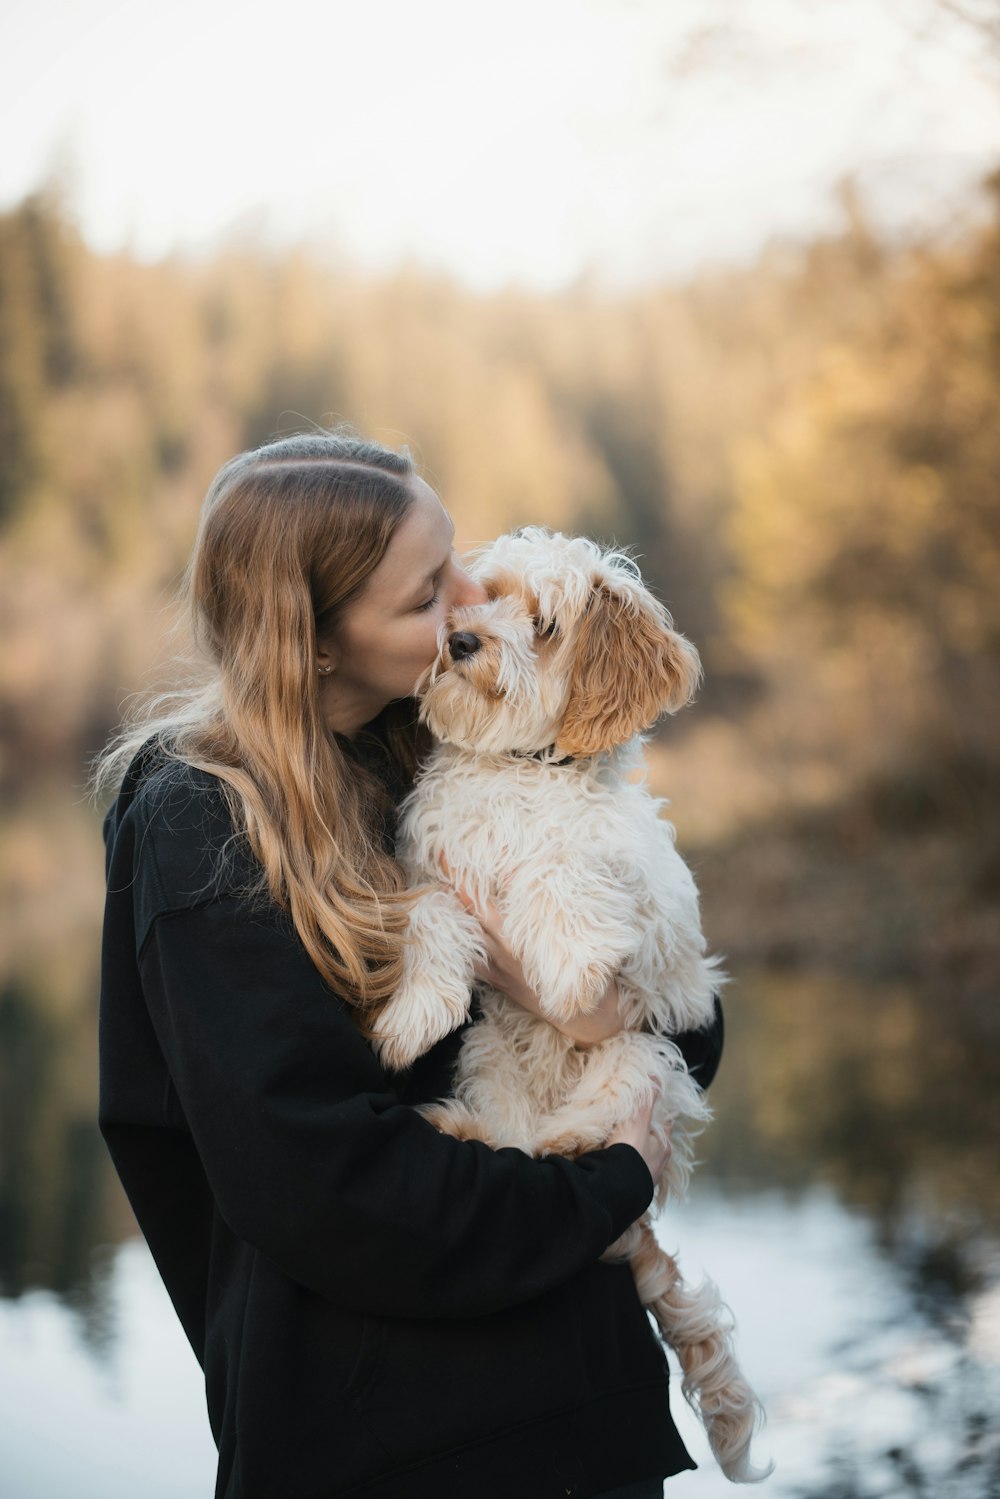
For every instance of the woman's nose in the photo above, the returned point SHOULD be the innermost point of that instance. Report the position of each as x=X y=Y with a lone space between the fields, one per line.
x=469 y=592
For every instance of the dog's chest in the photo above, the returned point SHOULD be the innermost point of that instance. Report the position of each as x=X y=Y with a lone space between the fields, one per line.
x=492 y=819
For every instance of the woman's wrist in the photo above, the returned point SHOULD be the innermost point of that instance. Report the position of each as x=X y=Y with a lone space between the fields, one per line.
x=502 y=971
x=583 y=1030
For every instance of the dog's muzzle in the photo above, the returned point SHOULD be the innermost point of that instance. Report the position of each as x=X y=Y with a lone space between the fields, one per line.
x=463 y=643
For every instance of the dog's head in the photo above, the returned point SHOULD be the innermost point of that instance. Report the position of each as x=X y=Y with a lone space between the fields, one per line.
x=571 y=650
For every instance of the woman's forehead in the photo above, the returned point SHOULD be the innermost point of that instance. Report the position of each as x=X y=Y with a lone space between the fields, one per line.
x=419 y=545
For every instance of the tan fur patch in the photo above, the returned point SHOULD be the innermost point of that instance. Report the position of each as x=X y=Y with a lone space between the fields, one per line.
x=630 y=666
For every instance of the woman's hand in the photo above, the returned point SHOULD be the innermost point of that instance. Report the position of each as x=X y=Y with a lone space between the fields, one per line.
x=503 y=971
x=650 y=1140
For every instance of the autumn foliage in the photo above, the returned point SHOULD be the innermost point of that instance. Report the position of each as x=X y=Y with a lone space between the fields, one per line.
x=803 y=454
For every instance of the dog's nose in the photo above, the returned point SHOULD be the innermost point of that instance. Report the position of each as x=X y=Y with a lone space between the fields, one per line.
x=463 y=643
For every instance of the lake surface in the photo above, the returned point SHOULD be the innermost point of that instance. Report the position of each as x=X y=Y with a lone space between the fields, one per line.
x=846 y=1206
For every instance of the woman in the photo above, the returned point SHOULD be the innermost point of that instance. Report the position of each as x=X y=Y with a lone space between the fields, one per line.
x=379 y=1310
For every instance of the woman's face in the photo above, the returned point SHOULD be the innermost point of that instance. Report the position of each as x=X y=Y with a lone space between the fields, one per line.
x=389 y=634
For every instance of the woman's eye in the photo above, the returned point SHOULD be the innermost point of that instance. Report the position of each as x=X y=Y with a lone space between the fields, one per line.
x=422 y=608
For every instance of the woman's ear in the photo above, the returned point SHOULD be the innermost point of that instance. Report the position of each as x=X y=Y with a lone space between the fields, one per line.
x=630 y=666
x=327 y=655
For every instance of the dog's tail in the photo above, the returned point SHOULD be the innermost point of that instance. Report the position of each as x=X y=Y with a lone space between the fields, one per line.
x=699 y=1327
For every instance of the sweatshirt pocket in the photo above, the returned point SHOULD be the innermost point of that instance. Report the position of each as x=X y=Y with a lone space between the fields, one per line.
x=622 y=1346
x=423 y=1387
x=366 y=1365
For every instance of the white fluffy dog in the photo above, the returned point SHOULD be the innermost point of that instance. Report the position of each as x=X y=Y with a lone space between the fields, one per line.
x=536 y=698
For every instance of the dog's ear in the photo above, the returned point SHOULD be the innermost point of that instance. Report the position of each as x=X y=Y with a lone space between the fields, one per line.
x=630 y=667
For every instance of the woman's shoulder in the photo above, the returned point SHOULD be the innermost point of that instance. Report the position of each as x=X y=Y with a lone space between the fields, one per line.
x=168 y=795
x=178 y=820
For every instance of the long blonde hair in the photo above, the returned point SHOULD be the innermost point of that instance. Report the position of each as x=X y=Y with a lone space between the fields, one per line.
x=289 y=534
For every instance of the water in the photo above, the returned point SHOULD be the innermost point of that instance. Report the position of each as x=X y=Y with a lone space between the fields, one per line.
x=866 y=1395
x=117 y=1420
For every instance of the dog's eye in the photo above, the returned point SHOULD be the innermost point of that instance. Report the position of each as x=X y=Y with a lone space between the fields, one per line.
x=542 y=630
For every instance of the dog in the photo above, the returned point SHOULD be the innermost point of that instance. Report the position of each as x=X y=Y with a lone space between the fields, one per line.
x=531 y=799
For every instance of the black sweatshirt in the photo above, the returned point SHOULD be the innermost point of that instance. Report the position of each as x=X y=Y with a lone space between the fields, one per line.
x=379 y=1310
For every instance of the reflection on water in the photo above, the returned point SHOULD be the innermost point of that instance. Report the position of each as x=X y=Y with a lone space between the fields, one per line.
x=867 y=1397
x=127 y=1422
x=848 y=1206
x=53 y=1162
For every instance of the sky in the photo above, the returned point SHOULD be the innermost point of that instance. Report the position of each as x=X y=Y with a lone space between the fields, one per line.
x=527 y=142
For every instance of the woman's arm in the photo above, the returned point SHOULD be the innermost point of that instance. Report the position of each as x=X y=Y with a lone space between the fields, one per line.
x=701 y=1049
x=504 y=972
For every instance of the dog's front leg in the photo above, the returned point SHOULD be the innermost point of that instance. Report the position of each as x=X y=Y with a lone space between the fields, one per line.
x=571 y=925
x=443 y=945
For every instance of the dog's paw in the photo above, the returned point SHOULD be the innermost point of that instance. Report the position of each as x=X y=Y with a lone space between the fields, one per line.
x=395 y=1053
x=450 y=1117
x=417 y=1017
x=569 y=991
x=556 y=1135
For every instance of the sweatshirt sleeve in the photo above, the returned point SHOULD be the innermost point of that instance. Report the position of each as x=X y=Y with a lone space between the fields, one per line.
x=702 y=1049
x=311 y=1157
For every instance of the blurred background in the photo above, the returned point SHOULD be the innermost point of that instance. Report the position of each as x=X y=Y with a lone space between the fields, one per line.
x=717 y=280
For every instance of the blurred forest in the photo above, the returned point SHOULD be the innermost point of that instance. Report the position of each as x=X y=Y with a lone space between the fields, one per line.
x=804 y=455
